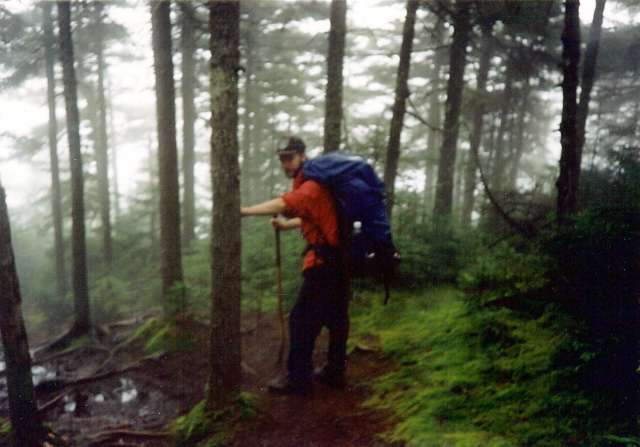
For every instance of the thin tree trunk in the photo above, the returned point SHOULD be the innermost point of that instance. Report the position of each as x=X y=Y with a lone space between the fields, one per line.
x=82 y=322
x=335 y=62
x=486 y=53
x=519 y=145
x=188 y=47
x=400 y=104
x=102 y=148
x=226 y=354
x=170 y=251
x=568 y=180
x=589 y=73
x=499 y=156
x=56 y=204
x=434 y=118
x=26 y=426
x=444 y=187
x=114 y=157
x=250 y=115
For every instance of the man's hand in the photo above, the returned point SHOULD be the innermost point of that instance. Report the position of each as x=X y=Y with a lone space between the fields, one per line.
x=279 y=224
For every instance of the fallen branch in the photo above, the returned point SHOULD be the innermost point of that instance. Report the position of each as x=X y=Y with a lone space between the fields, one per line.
x=51 y=403
x=58 y=384
x=120 y=432
x=114 y=351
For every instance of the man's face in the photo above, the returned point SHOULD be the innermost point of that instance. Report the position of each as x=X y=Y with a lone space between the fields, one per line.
x=291 y=164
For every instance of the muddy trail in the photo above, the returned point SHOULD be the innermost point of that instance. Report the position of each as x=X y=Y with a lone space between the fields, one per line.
x=110 y=393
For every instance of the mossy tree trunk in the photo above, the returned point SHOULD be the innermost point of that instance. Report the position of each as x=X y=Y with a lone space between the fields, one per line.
x=589 y=72
x=568 y=179
x=26 y=426
x=226 y=353
x=188 y=48
x=56 y=203
x=444 y=188
x=479 y=108
x=335 y=63
x=102 y=140
x=170 y=247
x=400 y=103
x=82 y=323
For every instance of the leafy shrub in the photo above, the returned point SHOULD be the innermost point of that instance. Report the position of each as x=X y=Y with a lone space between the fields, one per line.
x=598 y=259
x=505 y=275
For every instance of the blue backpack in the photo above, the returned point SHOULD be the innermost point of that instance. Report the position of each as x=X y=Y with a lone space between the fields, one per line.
x=365 y=233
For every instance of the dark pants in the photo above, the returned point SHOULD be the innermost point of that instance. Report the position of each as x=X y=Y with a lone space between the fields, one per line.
x=323 y=301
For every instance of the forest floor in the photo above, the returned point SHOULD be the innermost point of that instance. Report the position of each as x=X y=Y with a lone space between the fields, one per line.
x=112 y=394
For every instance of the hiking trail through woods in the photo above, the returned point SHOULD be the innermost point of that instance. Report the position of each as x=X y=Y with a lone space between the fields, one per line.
x=129 y=398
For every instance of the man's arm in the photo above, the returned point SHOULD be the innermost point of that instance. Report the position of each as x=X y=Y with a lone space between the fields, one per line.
x=268 y=208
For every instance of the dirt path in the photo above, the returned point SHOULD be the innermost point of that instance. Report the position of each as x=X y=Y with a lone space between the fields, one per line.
x=329 y=417
x=143 y=399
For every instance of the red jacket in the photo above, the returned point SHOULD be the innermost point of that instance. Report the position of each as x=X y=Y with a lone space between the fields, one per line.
x=315 y=206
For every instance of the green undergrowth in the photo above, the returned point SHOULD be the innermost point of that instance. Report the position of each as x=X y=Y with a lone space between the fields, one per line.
x=490 y=377
x=203 y=428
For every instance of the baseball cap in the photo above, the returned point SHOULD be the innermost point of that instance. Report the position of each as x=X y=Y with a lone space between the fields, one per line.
x=290 y=145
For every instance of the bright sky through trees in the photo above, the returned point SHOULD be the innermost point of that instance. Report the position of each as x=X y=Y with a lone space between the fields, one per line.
x=24 y=110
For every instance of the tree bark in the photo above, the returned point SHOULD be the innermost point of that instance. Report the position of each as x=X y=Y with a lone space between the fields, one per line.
x=56 y=203
x=500 y=156
x=335 y=62
x=444 y=187
x=170 y=249
x=589 y=73
x=226 y=354
x=102 y=147
x=188 y=48
x=82 y=322
x=26 y=427
x=434 y=118
x=250 y=116
x=486 y=52
x=568 y=180
x=519 y=135
x=400 y=104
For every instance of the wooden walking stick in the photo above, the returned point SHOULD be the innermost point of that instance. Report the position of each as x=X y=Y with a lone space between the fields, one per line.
x=279 y=295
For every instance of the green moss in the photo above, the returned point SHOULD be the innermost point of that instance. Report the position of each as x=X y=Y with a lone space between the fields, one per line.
x=487 y=377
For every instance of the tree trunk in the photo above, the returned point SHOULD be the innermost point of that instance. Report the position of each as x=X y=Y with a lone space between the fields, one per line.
x=82 y=322
x=26 y=426
x=500 y=147
x=188 y=47
x=589 y=73
x=226 y=354
x=56 y=204
x=568 y=180
x=102 y=147
x=444 y=187
x=335 y=62
x=400 y=104
x=434 y=118
x=170 y=251
x=250 y=117
x=519 y=145
x=486 y=52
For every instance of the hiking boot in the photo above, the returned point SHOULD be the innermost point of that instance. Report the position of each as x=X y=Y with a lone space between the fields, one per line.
x=329 y=377
x=286 y=386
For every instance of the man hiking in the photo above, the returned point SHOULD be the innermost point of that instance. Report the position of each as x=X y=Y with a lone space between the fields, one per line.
x=323 y=299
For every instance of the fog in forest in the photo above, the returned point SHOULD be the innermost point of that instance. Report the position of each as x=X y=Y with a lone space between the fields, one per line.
x=507 y=133
x=283 y=48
